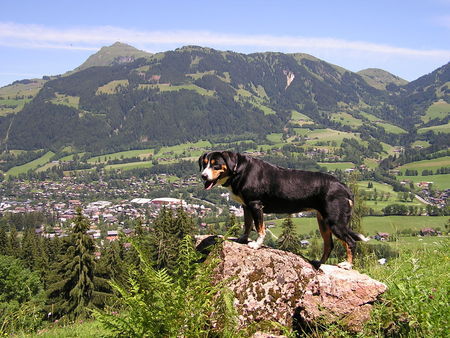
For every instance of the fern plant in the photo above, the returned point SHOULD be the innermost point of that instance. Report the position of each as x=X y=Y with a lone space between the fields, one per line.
x=184 y=304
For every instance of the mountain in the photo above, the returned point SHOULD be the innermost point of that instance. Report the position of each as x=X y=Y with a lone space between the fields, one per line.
x=380 y=78
x=123 y=98
x=114 y=54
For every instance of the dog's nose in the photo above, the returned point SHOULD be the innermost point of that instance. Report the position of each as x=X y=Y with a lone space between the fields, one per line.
x=204 y=177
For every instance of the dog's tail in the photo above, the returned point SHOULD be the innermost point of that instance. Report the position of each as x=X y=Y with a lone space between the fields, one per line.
x=357 y=237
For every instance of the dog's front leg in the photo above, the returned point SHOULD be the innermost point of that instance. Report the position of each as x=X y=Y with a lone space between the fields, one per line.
x=248 y=224
x=256 y=209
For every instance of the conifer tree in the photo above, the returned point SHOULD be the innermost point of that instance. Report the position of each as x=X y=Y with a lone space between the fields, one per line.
x=71 y=291
x=169 y=229
x=3 y=242
x=289 y=241
x=359 y=205
x=13 y=242
x=232 y=228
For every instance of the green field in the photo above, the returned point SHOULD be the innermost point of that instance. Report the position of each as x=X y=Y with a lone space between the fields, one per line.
x=275 y=137
x=112 y=87
x=129 y=166
x=142 y=153
x=427 y=164
x=442 y=128
x=384 y=190
x=390 y=128
x=67 y=100
x=33 y=165
x=324 y=135
x=336 y=165
x=170 y=88
x=370 y=224
x=439 y=110
x=441 y=182
x=346 y=119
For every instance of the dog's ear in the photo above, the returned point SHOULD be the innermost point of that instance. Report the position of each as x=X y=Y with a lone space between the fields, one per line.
x=200 y=161
x=231 y=159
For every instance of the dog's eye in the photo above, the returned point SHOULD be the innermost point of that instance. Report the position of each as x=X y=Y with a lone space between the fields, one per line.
x=217 y=167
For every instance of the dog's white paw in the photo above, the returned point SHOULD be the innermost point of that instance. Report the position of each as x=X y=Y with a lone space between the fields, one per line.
x=254 y=245
x=345 y=265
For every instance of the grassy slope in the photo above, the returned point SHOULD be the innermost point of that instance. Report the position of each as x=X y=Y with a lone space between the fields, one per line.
x=370 y=224
x=33 y=165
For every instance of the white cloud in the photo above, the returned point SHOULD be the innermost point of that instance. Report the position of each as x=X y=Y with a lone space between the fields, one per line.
x=91 y=38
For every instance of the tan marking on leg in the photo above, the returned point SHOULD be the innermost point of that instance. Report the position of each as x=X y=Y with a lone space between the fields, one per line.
x=349 y=252
x=327 y=238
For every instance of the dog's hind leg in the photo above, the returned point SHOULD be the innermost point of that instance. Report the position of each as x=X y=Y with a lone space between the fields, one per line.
x=256 y=209
x=248 y=224
x=325 y=231
x=328 y=245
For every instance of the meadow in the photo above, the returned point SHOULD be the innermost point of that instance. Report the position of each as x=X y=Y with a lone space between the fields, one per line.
x=33 y=165
x=370 y=224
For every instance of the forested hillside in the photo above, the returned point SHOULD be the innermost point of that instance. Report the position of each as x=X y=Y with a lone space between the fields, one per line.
x=196 y=93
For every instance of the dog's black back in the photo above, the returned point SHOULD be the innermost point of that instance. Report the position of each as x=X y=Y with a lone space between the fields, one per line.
x=284 y=190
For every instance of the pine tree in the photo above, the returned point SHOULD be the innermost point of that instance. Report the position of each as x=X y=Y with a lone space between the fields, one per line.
x=3 y=242
x=232 y=228
x=169 y=229
x=13 y=242
x=289 y=241
x=71 y=291
x=359 y=205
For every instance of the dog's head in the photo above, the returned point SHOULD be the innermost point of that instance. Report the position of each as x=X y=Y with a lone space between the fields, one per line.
x=217 y=167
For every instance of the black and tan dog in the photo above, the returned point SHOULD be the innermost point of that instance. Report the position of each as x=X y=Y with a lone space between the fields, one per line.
x=261 y=187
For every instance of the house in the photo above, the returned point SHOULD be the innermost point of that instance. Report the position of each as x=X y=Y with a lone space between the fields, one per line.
x=428 y=232
x=112 y=235
x=381 y=236
x=304 y=243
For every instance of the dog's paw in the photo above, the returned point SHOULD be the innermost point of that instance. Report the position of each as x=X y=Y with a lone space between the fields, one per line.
x=345 y=265
x=254 y=245
x=242 y=240
x=315 y=264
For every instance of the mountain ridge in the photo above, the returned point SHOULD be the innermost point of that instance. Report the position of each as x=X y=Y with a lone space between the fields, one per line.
x=196 y=92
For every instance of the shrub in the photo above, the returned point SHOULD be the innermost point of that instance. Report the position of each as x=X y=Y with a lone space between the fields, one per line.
x=159 y=304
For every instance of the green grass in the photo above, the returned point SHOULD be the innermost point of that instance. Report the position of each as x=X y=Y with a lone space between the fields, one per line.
x=275 y=137
x=441 y=182
x=10 y=106
x=86 y=329
x=426 y=164
x=142 y=153
x=188 y=148
x=442 y=128
x=324 y=135
x=346 y=119
x=336 y=165
x=439 y=110
x=66 y=100
x=258 y=101
x=170 y=88
x=390 y=128
x=371 y=224
x=111 y=87
x=416 y=301
x=33 y=165
x=129 y=166
x=385 y=189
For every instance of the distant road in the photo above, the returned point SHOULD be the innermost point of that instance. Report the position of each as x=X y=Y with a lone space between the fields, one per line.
x=422 y=200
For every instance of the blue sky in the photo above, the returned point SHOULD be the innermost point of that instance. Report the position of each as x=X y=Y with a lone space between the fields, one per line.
x=406 y=38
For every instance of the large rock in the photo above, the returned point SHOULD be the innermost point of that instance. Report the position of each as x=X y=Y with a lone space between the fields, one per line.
x=279 y=286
